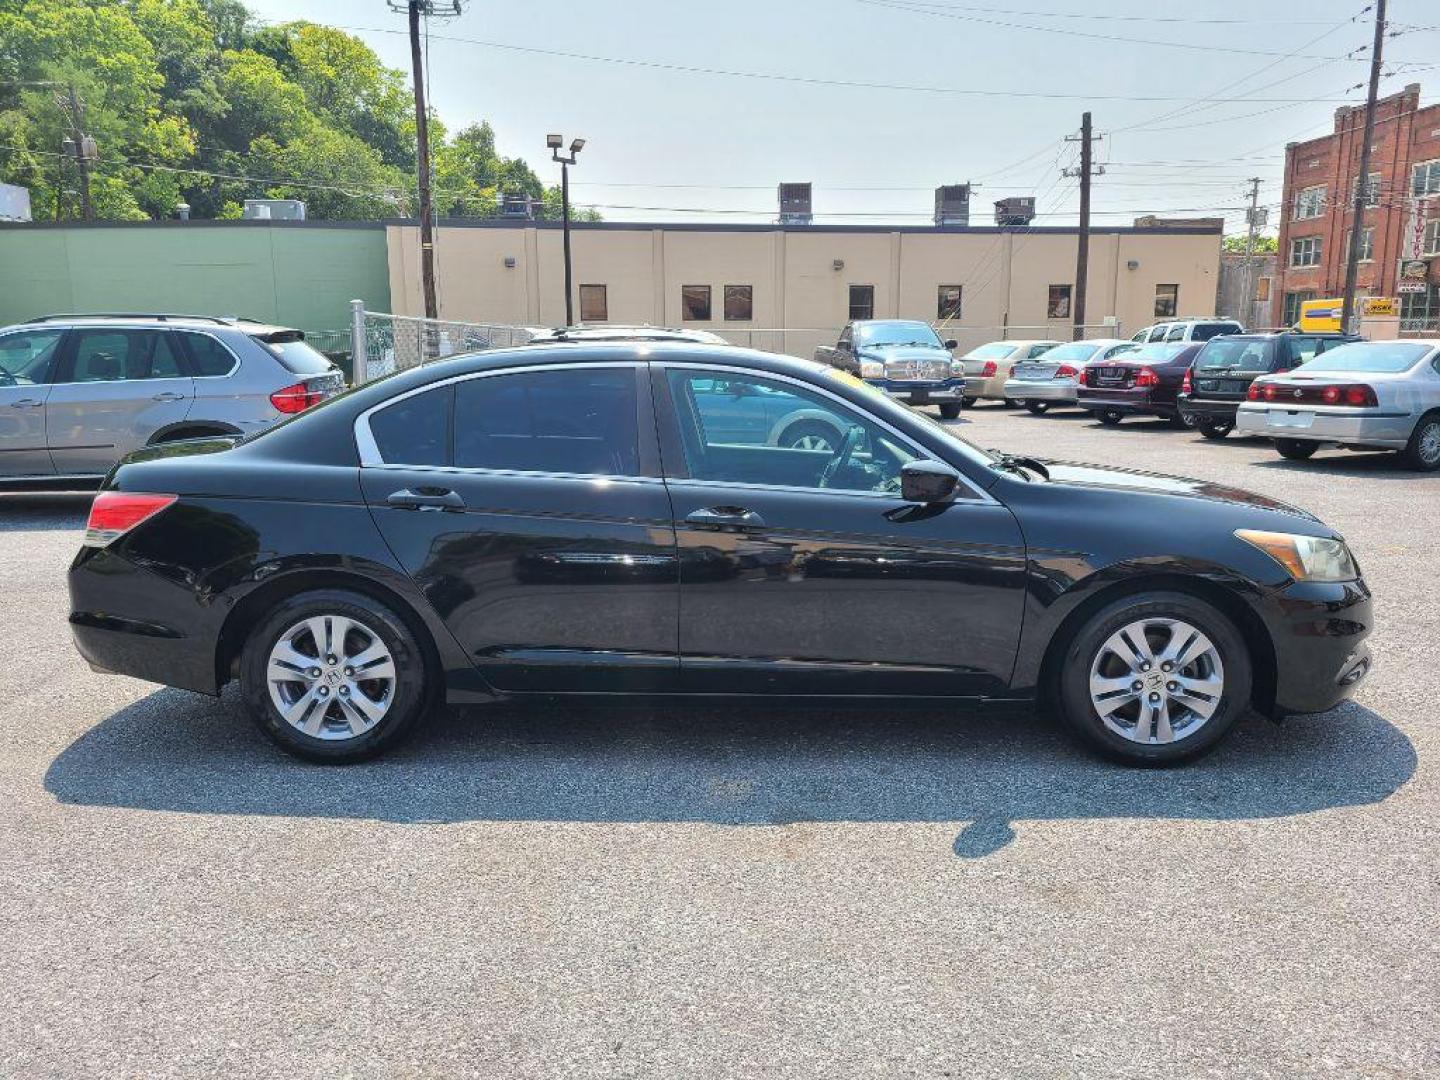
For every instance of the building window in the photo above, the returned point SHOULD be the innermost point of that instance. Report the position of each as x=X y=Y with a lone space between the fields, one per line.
x=739 y=303
x=1372 y=190
x=1262 y=290
x=1057 y=305
x=1293 y=300
x=593 y=306
x=1167 y=301
x=1425 y=178
x=1431 y=243
x=1310 y=202
x=862 y=302
x=947 y=305
x=1305 y=251
x=1367 y=243
x=695 y=303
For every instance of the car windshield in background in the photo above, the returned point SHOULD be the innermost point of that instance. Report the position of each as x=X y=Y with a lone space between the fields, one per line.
x=25 y=358
x=1075 y=350
x=896 y=333
x=299 y=357
x=1157 y=352
x=998 y=350
x=1236 y=354
x=1377 y=357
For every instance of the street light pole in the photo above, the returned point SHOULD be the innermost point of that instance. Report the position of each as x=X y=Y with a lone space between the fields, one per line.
x=554 y=142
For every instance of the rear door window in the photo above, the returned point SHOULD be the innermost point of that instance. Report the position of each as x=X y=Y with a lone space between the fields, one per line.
x=1158 y=333
x=102 y=355
x=208 y=358
x=416 y=430
x=1177 y=333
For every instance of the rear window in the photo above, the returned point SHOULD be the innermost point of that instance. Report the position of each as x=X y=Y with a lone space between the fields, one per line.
x=1075 y=350
x=1378 y=357
x=1234 y=353
x=996 y=350
x=1206 y=331
x=1155 y=353
x=297 y=356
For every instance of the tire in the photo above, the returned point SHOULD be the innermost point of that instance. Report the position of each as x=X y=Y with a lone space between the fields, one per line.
x=1216 y=429
x=1009 y=403
x=1039 y=408
x=1423 y=450
x=950 y=410
x=1110 y=417
x=340 y=732
x=810 y=435
x=1295 y=449
x=1198 y=716
x=968 y=401
x=1184 y=421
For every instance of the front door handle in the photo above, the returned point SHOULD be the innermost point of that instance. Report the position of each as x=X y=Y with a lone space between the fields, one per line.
x=426 y=498
x=27 y=403
x=723 y=517
x=169 y=395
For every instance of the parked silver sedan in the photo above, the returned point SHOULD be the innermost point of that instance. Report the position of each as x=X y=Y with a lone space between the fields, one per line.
x=1052 y=378
x=1368 y=395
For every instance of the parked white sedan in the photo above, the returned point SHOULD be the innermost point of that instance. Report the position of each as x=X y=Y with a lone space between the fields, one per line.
x=1052 y=378
x=1367 y=395
x=987 y=367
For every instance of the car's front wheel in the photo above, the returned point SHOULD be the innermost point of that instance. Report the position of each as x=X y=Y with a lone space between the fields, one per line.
x=1295 y=449
x=333 y=676
x=1154 y=679
x=810 y=435
x=968 y=401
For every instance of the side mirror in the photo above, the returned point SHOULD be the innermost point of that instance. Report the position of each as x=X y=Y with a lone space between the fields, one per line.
x=928 y=482
x=951 y=344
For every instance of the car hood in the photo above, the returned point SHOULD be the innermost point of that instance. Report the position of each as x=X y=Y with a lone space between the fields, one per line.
x=1077 y=474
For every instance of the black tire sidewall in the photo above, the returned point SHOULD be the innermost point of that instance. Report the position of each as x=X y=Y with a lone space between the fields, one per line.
x=1212 y=430
x=1109 y=417
x=1039 y=408
x=1411 y=453
x=1073 y=679
x=1295 y=449
x=411 y=681
x=950 y=410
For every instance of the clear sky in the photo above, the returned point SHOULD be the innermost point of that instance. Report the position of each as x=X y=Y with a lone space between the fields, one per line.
x=688 y=140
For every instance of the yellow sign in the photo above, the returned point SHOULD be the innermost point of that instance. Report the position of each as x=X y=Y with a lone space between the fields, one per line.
x=1379 y=305
x=1321 y=316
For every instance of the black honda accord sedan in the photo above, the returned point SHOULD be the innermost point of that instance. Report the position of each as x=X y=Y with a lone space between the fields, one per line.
x=689 y=520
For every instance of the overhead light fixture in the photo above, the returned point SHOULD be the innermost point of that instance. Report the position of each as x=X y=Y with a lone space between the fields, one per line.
x=554 y=142
x=577 y=146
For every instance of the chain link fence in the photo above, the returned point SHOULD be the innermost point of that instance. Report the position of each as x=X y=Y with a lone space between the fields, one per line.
x=382 y=343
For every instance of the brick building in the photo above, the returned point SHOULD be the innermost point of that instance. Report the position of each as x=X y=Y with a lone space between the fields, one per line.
x=1400 y=242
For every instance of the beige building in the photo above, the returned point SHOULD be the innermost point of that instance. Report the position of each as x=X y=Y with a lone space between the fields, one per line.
x=791 y=288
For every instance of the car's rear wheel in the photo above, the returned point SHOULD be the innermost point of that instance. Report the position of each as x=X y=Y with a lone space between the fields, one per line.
x=950 y=410
x=334 y=676
x=810 y=435
x=1011 y=403
x=1184 y=421
x=968 y=401
x=1423 y=450
x=1110 y=417
x=1154 y=679
x=1295 y=449
x=1039 y=408
x=1216 y=429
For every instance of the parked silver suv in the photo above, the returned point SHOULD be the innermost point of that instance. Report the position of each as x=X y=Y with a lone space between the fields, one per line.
x=79 y=392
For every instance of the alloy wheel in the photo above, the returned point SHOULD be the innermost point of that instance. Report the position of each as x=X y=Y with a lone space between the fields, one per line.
x=1428 y=445
x=811 y=441
x=1156 y=680
x=331 y=677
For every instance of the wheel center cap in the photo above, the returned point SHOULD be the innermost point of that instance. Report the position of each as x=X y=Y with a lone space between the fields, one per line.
x=1156 y=680
x=333 y=677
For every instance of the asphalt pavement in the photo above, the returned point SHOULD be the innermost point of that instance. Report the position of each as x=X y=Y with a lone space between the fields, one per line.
x=668 y=892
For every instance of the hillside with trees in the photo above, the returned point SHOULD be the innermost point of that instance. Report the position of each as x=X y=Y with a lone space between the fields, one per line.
x=195 y=101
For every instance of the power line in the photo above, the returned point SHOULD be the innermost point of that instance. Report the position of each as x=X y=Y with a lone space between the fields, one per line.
x=1094 y=17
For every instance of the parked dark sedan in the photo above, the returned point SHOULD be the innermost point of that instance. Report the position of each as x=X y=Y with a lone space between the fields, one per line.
x=582 y=520
x=1145 y=382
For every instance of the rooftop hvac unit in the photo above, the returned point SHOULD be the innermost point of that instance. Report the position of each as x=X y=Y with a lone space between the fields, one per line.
x=1016 y=210
x=795 y=204
x=952 y=204
x=274 y=210
x=517 y=205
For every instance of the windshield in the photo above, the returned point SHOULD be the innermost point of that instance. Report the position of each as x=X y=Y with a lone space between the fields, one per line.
x=1378 y=357
x=1075 y=350
x=896 y=333
x=1235 y=353
x=299 y=357
x=996 y=350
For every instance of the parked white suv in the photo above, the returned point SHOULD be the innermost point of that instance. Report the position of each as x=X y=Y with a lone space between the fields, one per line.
x=79 y=392
x=1202 y=329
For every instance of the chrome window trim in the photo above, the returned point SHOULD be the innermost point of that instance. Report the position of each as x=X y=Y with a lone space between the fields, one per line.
x=920 y=451
x=369 y=451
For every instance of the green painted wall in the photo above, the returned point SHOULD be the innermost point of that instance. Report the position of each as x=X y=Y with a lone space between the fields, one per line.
x=297 y=275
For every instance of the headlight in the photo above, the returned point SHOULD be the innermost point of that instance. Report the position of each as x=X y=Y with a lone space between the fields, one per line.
x=957 y=368
x=1305 y=558
x=872 y=369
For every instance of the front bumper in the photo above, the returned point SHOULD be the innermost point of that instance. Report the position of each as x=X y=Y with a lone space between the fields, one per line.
x=921 y=392
x=1057 y=390
x=1318 y=423
x=1319 y=631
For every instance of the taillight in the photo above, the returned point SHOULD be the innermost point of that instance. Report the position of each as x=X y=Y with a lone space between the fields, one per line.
x=114 y=513
x=989 y=370
x=296 y=398
x=1146 y=377
x=1358 y=395
x=1185 y=384
x=1084 y=377
x=1065 y=371
x=1270 y=392
x=1253 y=394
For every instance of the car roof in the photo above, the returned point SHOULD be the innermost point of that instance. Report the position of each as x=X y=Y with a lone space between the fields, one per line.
x=210 y=322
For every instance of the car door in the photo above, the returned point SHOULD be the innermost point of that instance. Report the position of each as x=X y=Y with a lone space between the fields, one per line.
x=803 y=571
x=528 y=507
x=116 y=387
x=27 y=361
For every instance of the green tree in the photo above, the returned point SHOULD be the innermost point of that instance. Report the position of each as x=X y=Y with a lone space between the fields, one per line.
x=1235 y=245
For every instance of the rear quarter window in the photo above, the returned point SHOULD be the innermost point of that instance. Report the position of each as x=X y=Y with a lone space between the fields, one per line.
x=208 y=357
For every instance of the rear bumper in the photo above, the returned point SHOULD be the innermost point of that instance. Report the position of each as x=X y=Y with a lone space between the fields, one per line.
x=990 y=389
x=1319 y=631
x=1059 y=390
x=1136 y=402
x=920 y=392
x=1208 y=408
x=1389 y=431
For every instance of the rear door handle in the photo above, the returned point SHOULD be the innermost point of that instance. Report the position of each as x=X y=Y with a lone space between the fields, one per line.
x=169 y=395
x=426 y=498
x=27 y=403
x=720 y=517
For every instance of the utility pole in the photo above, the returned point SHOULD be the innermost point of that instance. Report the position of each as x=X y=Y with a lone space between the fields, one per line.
x=554 y=143
x=414 y=9
x=1082 y=254
x=1362 y=185
x=1253 y=219
x=82 y=146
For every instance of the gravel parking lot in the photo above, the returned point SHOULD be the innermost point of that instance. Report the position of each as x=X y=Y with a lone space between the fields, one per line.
x=664 y=892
